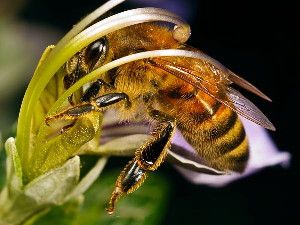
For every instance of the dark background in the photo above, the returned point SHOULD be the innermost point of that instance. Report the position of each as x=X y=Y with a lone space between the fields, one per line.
x=257 y=41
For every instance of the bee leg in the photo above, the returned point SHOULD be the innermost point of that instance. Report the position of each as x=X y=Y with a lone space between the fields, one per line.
x=94 y=89
x=67 y=127
x=90 y=93
x=147 y=158
x=96 y=104
x=70 y=100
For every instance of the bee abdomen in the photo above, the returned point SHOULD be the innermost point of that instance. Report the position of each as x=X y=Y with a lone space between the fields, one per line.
x=234 y=160
x=219 y=138
x=231 y=149
x=212 y=128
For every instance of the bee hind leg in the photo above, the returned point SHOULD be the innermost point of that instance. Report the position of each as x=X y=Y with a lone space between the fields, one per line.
x=147 y=158
x=96 y=105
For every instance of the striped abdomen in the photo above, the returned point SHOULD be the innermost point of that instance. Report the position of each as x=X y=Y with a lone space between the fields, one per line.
x=213 y=129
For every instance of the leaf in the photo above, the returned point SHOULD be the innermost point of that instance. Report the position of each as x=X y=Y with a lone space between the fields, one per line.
x=54 y=152
x=59 y=215
x=53 y=187
x=13 y=167
x=18 y=204
x=42 y=147
x=38 y=132
x=30 y=133
x=146 y=206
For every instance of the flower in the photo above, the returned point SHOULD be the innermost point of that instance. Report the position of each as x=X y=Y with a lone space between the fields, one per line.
x=43 y=165
x=54 y=187
x=182 y=8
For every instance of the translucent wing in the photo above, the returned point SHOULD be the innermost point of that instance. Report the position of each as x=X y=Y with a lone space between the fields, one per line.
x=212 y=82
x=246 y=85
x=247 y=109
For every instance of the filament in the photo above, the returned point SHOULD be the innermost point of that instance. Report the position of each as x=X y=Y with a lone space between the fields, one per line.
x=130 y=58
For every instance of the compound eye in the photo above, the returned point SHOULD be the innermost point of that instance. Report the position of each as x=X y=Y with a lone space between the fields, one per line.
x=96 y=52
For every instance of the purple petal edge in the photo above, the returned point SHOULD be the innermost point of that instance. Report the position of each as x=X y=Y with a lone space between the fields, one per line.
x=181 y=8
x=263 y=153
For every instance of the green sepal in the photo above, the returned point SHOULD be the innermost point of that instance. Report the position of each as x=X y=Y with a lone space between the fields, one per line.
x=19 y=202
x=13 y=167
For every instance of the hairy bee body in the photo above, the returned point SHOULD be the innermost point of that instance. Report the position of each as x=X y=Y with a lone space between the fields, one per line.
x=192 y=94
x=212 y=128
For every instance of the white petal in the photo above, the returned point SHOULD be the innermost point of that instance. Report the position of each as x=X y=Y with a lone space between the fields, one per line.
x=263 y=151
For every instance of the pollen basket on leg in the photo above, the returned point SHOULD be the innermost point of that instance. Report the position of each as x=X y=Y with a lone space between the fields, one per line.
x=153 y=151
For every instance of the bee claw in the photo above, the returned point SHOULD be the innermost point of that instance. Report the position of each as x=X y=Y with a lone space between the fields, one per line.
x=49 y=118
x=67 y=127
x=110 y=210
x=114 y=197
x=62 y=130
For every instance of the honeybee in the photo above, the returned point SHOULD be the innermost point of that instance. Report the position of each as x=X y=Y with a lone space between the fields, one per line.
x=190 y=94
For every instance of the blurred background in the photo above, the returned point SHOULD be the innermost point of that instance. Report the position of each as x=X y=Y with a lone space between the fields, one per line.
x=254 y=40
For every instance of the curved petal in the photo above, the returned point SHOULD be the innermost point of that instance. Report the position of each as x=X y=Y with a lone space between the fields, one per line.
x=182 y=8
x=263 y=152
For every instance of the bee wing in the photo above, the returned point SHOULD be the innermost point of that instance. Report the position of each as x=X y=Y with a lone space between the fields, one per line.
x=246 y=108
x=246 y=85
x=220 y=91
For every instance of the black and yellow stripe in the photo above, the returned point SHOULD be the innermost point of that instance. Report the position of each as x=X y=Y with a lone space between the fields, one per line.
x=218 y=135
x=213 y=129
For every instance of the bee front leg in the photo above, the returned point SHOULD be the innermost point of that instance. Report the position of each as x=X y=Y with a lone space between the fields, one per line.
x=97 y=104
x=88 y=95
x=94 y=89
x=147 y=158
